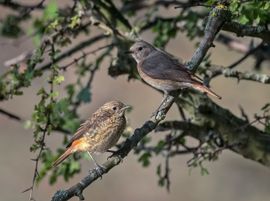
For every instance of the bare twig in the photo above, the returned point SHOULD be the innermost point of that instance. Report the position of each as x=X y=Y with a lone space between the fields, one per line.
x=18 y=59
x=84 y=55
x=76 y=48
x=37 y=159
x=45 y=130
x=10 y=115
x=222 y=70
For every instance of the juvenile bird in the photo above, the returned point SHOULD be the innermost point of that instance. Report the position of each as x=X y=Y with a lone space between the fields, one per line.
x=162 y=71
x=99 y=133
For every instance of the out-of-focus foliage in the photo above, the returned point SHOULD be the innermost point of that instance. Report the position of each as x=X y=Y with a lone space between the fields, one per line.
x=53 y=31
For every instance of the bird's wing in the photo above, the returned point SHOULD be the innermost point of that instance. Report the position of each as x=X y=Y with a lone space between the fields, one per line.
x=90 y=125
x=162 y=66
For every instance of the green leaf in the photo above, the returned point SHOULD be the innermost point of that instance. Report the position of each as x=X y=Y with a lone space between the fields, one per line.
x=204 y=171
x=161 y=144
x=266 y=6
x=75 y=20
x=51 y=10
x=58 y=79
x=10 y=27
x=243 y=19
x=54 y=94
x=84 y=95
x=71 y=125
x=145 y=159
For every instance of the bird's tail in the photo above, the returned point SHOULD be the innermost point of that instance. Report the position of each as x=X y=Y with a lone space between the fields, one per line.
x=66 y=154
x=77 y=145
x=203 y=88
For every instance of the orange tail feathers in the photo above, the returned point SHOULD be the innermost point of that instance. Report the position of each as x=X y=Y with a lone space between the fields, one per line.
x=66 y=154
x=77 y=145
x=205 y=89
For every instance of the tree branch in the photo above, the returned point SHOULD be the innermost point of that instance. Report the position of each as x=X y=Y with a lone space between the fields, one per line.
x=115 y=160
x=218 y=70
x=10 y=115
x=246 y=139
x=14 y=5
x=248 y=30
x=216 y=19
x=262 y=78
x=74 y=49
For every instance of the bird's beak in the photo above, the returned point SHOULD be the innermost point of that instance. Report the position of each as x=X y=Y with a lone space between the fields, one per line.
x=128 y=52
x=125 y=107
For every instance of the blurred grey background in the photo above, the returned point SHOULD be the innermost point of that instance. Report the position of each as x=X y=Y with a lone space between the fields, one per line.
x=231 y=178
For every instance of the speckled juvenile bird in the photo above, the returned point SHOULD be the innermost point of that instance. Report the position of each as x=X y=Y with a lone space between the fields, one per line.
x=162 y=71
x=99 y=133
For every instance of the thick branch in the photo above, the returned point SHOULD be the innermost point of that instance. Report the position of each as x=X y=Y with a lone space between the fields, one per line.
x=215 y=21
x=246 y=139
x=248 y=30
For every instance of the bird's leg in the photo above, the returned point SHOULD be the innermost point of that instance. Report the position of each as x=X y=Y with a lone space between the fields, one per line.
x=111 y=151
x=99 y=168
x=156 y=113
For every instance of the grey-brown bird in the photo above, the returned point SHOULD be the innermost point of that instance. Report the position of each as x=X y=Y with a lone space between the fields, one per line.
x=99 y=133
x=162 y=71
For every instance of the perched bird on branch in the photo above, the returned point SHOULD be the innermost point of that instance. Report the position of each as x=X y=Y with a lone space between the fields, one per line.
x=162 y=71
x=99 y=133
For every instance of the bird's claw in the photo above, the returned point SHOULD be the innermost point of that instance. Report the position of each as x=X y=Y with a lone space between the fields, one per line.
x=114 y=153
x=100 y=170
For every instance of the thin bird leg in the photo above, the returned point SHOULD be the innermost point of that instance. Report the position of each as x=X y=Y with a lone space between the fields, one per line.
x=99 y=168
x=111 y=151
x=156 y=113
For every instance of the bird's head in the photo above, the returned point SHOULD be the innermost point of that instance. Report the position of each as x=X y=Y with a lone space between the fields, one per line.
x=140 y=50
x=115 y=108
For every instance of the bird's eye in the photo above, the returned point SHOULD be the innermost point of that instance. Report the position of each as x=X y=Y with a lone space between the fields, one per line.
x=114 y=108
x=140 y=48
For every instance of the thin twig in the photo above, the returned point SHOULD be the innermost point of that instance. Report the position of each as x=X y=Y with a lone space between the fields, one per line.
x=220 y=71
x=84 y=55
x=10 y=115
x=36 y=160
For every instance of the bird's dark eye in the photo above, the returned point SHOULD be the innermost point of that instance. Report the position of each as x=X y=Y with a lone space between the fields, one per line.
x=140 y=48
x=114 y=108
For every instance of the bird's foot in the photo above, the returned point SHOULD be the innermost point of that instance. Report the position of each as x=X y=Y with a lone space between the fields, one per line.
x=100 y=170
x=116 y=154
x=111 y=151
